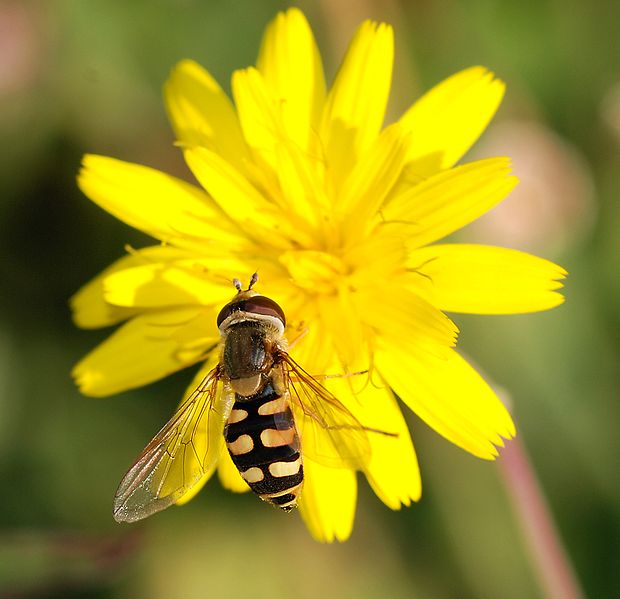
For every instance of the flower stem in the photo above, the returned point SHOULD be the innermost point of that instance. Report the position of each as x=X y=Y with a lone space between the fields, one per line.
x=555 y=573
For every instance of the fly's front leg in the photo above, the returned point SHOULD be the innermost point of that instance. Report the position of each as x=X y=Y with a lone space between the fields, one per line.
x=297 y=333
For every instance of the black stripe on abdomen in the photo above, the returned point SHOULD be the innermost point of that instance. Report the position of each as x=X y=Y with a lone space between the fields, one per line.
x=264 y=446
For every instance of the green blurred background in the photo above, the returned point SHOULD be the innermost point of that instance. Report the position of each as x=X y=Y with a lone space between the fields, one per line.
x=78 y=77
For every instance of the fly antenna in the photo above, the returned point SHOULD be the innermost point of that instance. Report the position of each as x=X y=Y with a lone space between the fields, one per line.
x=239 y=286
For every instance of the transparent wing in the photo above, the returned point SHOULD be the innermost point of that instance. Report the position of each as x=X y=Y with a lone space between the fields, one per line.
x=330 y=434
x=181 y=453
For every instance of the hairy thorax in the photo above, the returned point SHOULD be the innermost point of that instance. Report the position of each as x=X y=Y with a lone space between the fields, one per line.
x=248 y=356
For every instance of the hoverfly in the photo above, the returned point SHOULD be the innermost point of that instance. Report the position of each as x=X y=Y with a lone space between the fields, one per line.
x=261 y=404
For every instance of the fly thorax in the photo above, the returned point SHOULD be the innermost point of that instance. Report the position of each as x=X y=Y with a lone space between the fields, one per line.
x=246 y=356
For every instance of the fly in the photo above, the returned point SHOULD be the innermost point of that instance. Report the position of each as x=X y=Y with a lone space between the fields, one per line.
x=258 y=403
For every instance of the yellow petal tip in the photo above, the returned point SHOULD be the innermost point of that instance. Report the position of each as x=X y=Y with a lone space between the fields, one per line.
x=86 y=381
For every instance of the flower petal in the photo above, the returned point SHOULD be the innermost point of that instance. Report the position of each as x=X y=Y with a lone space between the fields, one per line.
x=229 y=475
x=449 y=395
x=260 y=117
x=355 y=107
x=301 y=193
x=177 y=283
x=370 y=181
x=258 y=218
x=291 y=66
x=111 y=296
x=283 y=170
x=339 y=316
x=406 y=317
x=328 y=501
x=202 y=114
x=158 y=204
x=393 y=471
x=310 y=345
x=141 y=351
x=449 y=200
x=91 y=311
x=481 y=279
x=448 y=119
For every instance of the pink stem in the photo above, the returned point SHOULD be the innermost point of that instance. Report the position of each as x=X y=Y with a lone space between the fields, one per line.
x=549 y=558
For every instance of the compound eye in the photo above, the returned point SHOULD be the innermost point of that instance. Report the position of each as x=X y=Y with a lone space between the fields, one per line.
x=259 y=304
x=226 y=311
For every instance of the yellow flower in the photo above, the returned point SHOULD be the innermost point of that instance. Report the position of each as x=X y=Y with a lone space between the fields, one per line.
x=336 y=213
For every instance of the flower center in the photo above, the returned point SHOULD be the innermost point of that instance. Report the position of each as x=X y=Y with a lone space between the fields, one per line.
x=314 y=270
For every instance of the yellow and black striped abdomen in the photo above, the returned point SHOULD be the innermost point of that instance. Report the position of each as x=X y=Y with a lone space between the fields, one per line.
x=264 y=446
